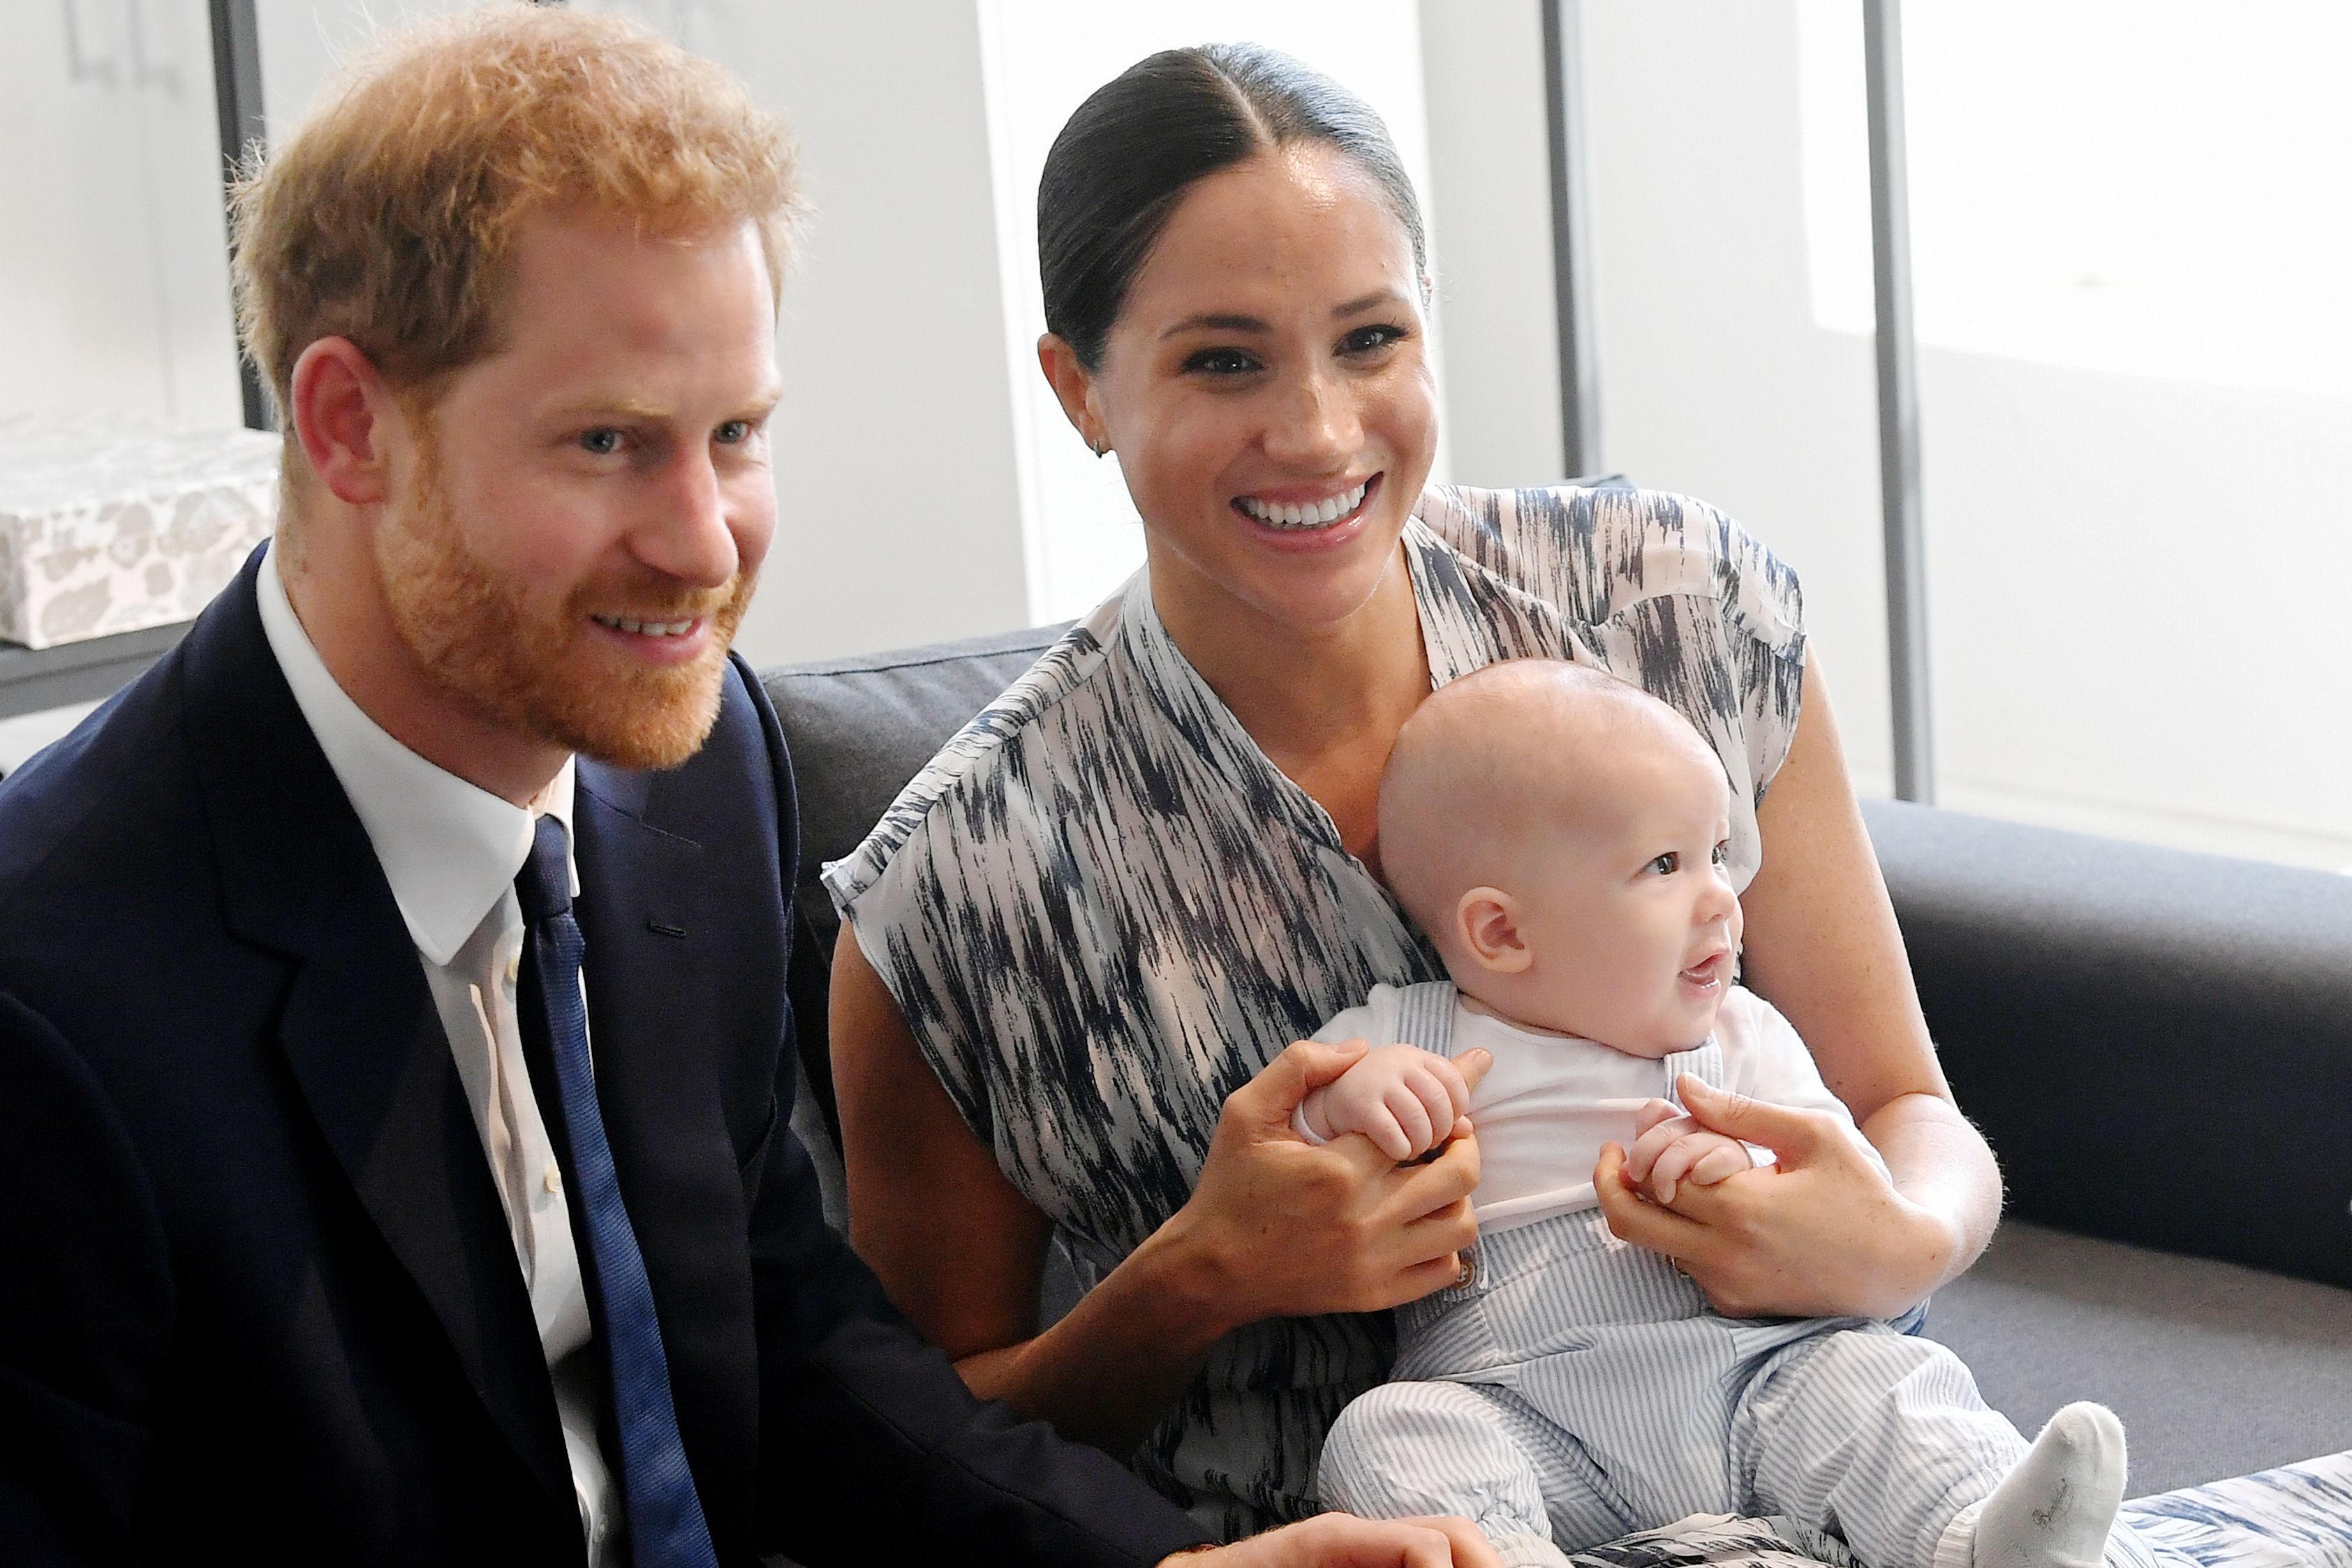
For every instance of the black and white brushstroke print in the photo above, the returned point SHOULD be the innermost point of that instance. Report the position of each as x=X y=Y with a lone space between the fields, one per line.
x=1102 y=908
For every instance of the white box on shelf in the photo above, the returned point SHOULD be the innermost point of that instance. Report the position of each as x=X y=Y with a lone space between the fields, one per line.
x=107 y=528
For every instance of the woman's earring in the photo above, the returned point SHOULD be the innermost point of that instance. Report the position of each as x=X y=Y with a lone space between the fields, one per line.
x=1099 y=449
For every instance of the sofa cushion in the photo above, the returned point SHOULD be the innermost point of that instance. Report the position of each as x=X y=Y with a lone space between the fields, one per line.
x=2159 y=1044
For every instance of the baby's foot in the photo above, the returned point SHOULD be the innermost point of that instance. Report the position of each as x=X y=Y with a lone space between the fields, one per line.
x=2055 y=1509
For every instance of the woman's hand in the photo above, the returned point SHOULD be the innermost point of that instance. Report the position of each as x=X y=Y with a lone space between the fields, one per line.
x=1823 y=1234
x=1281 y=1227
x=1343 y=1540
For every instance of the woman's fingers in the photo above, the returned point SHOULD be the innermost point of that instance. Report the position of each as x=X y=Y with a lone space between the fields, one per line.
x=1267 y=1101
x=1793 y=1135
x=1422 y=1190
x=1343 y=1540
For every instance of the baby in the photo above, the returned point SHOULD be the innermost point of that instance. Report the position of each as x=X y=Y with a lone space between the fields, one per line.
x=1562 y=836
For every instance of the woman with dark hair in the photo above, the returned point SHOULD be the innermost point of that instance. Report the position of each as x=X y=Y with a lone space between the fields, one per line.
x=1079 y=949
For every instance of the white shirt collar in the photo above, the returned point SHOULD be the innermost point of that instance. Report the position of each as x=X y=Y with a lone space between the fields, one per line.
x=449 y=849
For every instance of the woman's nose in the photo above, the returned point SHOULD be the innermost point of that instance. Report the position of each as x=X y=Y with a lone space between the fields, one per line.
x=1314 y=425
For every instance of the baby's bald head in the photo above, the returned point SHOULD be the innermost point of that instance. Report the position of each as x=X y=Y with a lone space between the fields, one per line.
x=1508 y=756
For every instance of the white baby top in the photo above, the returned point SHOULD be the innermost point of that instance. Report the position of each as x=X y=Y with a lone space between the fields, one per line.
x=1550 y=1101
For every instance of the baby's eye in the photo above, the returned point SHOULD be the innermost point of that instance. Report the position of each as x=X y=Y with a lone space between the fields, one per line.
x=1722 y=856
x=1221 y=362
x=1668 y=864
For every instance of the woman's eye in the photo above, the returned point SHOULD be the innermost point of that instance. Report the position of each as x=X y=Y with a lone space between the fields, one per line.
x=1370 y=339
x=602 y=442
x=1221 y=362
x=1668 y=864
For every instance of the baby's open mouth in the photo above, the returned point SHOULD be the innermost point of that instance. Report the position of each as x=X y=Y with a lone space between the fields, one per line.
x=1307 y=516
x=1709 y=973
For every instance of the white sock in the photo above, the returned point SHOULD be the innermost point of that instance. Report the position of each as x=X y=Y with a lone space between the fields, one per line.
x=2055 y=1510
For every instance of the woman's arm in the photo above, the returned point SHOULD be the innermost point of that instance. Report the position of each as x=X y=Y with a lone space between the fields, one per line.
x=1823 y=947
x=1275 y=1226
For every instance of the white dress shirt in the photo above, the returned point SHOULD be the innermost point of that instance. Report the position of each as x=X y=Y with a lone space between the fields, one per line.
x=1550 y=1101
x=451 y=851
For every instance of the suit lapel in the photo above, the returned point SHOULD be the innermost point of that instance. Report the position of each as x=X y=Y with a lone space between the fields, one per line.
x=359 y=1030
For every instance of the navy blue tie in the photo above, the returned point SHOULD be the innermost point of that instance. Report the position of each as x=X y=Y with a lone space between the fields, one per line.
x=666 y=1529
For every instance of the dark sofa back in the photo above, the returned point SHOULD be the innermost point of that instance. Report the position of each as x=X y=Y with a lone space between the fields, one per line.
x=2159 y=1044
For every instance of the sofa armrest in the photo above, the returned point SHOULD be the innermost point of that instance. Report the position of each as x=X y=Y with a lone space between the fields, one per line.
x=2159 y=1044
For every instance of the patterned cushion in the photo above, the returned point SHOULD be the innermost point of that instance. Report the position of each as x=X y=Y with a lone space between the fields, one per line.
x=106 y=529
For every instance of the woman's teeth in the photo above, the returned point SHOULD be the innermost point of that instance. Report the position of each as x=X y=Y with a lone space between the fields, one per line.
x=645 y=628
x=1310 y=514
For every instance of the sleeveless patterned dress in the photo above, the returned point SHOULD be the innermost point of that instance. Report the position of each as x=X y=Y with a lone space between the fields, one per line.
x=1102 y=908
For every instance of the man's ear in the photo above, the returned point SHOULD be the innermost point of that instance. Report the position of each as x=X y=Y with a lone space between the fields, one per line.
x=1074 y=384
x=1487 y=921
x=339 y=406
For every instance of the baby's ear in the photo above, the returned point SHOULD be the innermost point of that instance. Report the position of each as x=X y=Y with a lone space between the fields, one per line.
x=1487 y=921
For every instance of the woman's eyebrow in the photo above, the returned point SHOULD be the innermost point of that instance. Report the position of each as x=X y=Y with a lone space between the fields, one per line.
x=1215 y=320
x=1232 y=322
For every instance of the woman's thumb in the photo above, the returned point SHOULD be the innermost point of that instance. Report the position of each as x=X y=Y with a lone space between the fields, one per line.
x=1304 y=1067
x=1778 y=1128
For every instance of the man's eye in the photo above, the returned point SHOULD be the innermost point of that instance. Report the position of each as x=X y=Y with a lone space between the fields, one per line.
x=1221 y=362
x=603 y=443
x=733 y=433
x=1370 y=339
x=1668 y=864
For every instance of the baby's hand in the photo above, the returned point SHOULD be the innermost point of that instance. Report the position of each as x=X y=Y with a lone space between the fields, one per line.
x=1405 y=1100
x=1672 y=1149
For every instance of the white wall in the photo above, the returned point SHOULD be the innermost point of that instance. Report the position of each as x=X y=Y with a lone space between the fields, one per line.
x=113 y=268
x=2132 y=628
x=898 y=493
x=1489 y=194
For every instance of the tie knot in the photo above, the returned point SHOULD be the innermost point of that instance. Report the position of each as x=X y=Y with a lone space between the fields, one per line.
x=543 y=886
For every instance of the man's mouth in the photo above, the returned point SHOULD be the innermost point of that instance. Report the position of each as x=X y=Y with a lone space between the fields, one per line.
x=1307 y=516
x=648 y=628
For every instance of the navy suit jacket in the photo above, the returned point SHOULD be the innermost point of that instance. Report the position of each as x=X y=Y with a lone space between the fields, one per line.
x=257 y=1291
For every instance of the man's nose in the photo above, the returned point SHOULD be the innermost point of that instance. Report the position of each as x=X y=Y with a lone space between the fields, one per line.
x=685 y=534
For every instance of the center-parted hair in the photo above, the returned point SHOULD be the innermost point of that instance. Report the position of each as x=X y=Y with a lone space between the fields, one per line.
x=388 y=217
x=1125 y=159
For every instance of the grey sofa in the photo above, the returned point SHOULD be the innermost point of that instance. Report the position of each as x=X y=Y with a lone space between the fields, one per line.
x=2158 y=1045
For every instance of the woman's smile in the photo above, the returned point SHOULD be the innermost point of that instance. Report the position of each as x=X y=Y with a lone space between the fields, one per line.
x=1308 y=517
